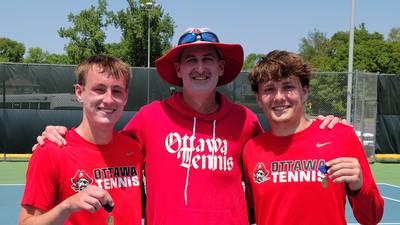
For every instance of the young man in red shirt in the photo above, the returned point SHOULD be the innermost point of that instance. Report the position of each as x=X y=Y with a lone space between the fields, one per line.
x=98 y=167
x=298 y=173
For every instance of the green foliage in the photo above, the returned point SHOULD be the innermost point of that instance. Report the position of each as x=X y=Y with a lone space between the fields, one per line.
x=315 y=49
x=56 y=59
x=327 y=95
x=371 y=52
x=11 y=51
x=133 y=22
x=251 y=60
x=394 y=34
x=394 y=63
x=87 y=36
x=36 y=55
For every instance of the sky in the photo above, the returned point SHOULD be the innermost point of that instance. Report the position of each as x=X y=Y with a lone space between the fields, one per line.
x=259 y=25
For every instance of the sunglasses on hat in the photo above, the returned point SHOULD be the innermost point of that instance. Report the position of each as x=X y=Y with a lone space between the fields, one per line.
x=199 y=36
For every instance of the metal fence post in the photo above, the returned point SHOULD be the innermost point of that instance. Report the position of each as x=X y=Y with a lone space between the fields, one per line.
x=355 y=102
x=148 y=85
x=3 y=79
x=362 y=119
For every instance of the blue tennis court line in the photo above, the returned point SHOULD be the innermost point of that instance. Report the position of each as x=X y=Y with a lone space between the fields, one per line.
x=9 y=206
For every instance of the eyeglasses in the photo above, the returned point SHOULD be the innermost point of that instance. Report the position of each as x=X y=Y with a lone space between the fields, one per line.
x=193 y=37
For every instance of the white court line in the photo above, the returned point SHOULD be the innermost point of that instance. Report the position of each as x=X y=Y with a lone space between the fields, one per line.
x=391 y=185
x=392 y=199
x=12 y=184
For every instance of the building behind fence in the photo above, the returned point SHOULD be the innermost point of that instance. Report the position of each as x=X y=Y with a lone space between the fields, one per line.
x=34 y=95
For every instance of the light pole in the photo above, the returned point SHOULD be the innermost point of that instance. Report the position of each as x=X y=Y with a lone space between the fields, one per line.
x=148 y=6
x=350 y=65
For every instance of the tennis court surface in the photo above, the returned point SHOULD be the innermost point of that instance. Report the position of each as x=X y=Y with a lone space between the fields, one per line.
x=10 y=195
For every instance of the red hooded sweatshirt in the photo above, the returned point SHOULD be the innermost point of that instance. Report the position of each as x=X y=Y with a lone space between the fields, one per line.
x=193 y=161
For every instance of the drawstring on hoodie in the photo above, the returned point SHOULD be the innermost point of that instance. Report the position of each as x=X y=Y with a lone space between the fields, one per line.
x=214 y=145
x=190 y=160
x=190 y=155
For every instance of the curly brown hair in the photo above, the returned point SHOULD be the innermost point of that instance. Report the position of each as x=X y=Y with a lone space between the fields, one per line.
x=277 y=65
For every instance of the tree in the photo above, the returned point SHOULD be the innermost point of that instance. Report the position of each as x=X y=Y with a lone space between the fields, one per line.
x=37 y=55
x=251 y=60
x=371 y=52
x=133 y=24
x=56 y=59
x=87 y=36
x=394 y=34
x=11 y=51
x=315 y=49
x=326 y=95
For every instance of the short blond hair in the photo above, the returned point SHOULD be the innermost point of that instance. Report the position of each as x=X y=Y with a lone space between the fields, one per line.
x=113 y=66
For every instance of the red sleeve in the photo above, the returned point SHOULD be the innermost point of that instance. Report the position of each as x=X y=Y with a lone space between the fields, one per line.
x=132 y=128
x=367 y=204
x=41 y=178
x=248 y=190
x=255 y=129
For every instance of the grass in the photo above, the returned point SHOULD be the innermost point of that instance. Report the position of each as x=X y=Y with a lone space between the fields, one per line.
x=14 y=172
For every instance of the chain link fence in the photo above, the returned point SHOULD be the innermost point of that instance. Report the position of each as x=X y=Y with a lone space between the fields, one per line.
x=364 y=110
x=50 y=87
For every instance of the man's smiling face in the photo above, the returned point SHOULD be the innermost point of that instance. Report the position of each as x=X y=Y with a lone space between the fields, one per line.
x=199 y=67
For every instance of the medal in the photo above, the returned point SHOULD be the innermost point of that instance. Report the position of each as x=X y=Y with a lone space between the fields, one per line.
x=110 y=220
x=325 y=182
x=324 y=170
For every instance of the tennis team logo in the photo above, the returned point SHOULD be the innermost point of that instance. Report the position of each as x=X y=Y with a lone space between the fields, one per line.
x=260 y=173
x=80 y=181
x=200 y=153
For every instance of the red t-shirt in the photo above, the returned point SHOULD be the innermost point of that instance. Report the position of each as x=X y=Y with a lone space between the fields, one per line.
x=286 y=185
x=55 y=174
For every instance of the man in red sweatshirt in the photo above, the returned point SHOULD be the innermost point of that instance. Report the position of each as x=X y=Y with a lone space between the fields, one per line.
x=298 y=173
x=193 y=140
